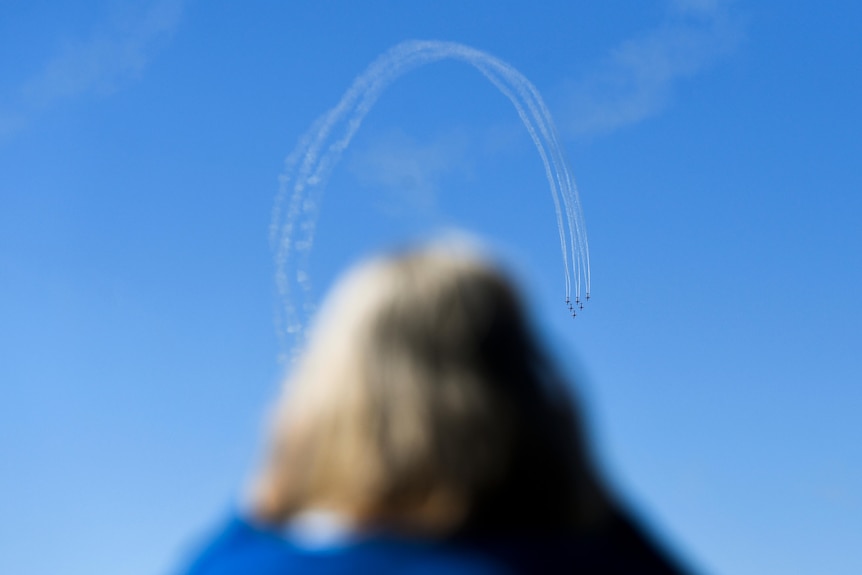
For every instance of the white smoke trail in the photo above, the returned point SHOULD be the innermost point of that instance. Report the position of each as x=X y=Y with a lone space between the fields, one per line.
x=308 y=167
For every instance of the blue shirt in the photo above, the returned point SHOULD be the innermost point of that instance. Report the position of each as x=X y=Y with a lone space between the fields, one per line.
x=242 y=548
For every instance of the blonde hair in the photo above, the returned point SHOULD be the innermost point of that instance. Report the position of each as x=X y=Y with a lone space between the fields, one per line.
x=424 y=401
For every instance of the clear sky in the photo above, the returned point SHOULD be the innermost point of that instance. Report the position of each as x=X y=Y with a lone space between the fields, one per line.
x=717 y=150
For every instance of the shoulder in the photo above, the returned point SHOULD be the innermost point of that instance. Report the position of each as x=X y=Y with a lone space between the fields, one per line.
x=240 y=547
x=236 y=545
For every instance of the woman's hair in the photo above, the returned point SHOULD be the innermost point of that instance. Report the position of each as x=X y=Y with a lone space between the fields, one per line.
x=424 y=401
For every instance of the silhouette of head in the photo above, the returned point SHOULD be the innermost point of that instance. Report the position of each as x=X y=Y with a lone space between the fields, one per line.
x=424 y=401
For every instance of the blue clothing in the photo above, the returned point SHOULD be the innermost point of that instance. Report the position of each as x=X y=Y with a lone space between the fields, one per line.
x=241 y=548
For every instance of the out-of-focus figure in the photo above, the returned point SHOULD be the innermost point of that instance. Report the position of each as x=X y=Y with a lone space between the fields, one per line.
x=425 y=430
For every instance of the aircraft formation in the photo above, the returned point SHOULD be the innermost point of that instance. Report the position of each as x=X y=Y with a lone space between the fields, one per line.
x=577 y=305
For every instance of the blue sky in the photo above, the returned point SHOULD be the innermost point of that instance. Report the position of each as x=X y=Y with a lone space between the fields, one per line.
x=716 y=148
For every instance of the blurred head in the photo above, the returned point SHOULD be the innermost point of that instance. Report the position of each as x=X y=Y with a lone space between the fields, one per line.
x=424 y=401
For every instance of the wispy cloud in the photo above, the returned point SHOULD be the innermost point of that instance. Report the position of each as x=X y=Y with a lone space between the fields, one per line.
x=637 y=78
x=109 y=59
x=409 y=172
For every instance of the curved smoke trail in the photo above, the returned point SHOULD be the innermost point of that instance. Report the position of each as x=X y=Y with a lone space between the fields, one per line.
x=308 y=167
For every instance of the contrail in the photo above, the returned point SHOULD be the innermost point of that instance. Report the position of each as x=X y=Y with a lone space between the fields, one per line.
x=309 y=165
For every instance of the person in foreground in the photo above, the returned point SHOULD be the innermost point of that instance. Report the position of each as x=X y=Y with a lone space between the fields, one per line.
x=425 y=430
